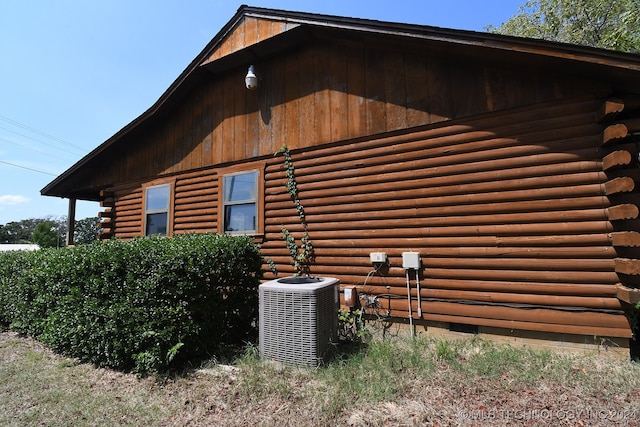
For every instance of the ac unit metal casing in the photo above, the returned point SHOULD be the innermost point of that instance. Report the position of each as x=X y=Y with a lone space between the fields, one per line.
x=297 y=321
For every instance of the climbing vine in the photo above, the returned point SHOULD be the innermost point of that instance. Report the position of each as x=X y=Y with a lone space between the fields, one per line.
x=302 y=255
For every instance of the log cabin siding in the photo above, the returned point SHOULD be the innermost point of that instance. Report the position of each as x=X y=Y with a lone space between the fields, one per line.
x=508 y=210
x=195 y=206
x=196 y=202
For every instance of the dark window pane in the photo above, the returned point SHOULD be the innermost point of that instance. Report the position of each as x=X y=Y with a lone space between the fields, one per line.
x=240 y=217
x=157 y=223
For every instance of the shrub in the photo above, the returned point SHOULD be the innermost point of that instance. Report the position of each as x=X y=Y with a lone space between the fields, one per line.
x=13 y=267
x=145 y=305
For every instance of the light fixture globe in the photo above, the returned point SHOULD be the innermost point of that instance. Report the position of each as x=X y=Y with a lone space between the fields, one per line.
x=251 y=80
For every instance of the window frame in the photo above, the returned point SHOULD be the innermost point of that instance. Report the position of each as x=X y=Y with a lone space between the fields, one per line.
x=168 y=210
x=259 y=169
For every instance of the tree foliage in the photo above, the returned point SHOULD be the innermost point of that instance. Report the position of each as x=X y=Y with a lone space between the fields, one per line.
x=86 y=231
x=23 y=231
x=609 y=24
x=46 y=235
x=18 y=231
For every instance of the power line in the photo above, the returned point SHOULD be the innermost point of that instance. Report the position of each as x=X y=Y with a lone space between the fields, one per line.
x=41 y=133
x=40 y=142
x=27 y=168
x=35 y=150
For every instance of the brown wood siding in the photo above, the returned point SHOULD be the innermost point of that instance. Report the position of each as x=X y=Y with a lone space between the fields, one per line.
x=247 y=32
x=195 y=205
x=127 y=212
x=196 y=202
x=504 y=179
x=319 y=94
x=515 y=215
x=508 y=212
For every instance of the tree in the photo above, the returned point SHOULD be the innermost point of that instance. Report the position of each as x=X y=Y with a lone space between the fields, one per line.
x=46 y=235
x=86 y=231
x=22 y=231
x=608 y=24
x=18 y=231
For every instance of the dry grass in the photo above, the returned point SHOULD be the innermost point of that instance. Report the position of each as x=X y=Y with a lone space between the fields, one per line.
x=390 y=383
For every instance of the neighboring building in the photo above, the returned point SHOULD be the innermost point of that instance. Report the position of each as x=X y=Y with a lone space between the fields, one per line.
x=509 y=164
x=4 y=247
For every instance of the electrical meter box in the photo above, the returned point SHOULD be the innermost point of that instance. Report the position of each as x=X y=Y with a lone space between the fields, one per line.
x=411 y=260
x=378 y=257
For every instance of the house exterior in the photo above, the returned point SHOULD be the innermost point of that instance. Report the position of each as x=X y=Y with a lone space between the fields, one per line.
x=508 y=164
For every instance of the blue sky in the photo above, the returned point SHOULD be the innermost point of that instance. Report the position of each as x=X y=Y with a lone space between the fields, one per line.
x=74 y=72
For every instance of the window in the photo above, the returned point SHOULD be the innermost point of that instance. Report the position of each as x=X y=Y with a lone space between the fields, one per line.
x=240 y=202
x=156 y=209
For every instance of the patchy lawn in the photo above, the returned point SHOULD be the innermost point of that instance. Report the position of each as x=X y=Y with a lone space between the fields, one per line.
x=392 y=383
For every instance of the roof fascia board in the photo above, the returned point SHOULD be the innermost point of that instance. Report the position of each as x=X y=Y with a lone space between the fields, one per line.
x=455 y=36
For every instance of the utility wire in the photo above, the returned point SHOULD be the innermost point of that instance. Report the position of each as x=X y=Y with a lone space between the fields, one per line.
x=35 y=150
x=39 y=132
x=40 y=142
x=27 y=168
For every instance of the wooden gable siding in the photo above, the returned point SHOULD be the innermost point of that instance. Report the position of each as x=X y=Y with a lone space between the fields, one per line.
x=509 y=214
x=249 y=31
x=321 y=94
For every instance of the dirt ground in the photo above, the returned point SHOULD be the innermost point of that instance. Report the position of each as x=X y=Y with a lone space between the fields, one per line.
x=38 y=387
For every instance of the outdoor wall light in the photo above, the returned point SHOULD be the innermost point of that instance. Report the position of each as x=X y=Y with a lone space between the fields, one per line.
x=251 y=80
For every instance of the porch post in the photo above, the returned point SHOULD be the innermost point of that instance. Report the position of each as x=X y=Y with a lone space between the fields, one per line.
x=71 y=221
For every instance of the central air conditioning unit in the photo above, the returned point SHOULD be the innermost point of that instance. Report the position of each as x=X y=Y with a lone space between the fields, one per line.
x=298 y=319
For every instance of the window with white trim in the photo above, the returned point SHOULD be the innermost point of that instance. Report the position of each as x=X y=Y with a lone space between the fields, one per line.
x=240 y=202
x=156 y=210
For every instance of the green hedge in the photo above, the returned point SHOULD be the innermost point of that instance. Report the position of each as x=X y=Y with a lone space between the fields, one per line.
x=147 y=305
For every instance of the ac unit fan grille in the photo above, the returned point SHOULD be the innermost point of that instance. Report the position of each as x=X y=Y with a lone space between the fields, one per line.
x=297 y=325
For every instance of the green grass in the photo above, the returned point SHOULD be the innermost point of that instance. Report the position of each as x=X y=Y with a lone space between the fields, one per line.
x=38 y=388
x=389 y=370
x=424 y=381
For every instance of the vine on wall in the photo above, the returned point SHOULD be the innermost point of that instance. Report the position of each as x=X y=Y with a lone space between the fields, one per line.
x=302 y=255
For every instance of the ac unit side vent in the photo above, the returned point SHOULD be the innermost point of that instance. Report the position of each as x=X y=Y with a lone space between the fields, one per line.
x=297 y=323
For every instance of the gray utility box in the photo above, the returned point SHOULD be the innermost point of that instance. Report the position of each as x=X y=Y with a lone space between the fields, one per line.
x=298 y=319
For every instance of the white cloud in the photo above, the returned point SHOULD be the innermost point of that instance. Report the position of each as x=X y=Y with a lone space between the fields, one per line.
x=10 y=200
